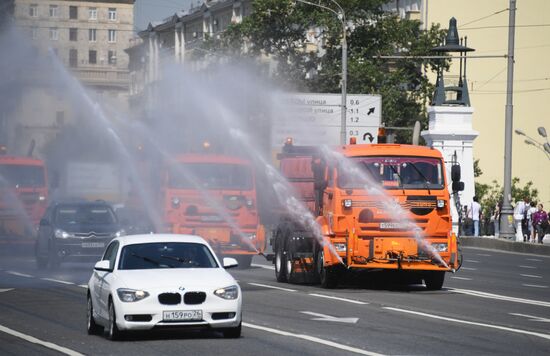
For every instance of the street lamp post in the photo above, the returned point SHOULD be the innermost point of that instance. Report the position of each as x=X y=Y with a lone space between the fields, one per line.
x=343 y=107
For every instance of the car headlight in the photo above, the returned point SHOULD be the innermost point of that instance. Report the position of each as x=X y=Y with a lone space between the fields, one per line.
x=60 y=234
x=347 y=203
x=440 y=247
x=131 y=295
x=120 y=233
x=440 y=203
x=231 y=292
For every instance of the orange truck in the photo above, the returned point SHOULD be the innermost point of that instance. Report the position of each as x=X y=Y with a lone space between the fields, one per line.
x=214 y=196
x=23 y=195
x=407 y=230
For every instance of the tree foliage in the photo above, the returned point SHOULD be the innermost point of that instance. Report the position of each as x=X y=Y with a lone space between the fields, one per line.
x=278 y=28
x=491 y=194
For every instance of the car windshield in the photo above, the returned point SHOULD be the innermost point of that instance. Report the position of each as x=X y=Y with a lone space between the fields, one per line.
x=395 y=172
x=84 y=214
x=211 y=176
x=21 y=176
x=166 y=255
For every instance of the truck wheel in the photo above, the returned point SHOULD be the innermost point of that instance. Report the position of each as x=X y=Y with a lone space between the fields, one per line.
x=289 y=267
x=280 y=263
x=434 y=280
x=327 y=275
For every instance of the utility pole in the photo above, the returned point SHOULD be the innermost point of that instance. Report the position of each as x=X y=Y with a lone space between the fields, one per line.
x=343 y=119
x=507 y=212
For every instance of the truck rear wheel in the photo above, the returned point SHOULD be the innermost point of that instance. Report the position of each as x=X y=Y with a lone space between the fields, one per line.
x=327 y=275
x=280 y=263
x=434 y=280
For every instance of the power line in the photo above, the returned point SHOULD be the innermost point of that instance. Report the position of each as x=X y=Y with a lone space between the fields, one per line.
x=505 y=26
x=515 y=91
x=483 y=18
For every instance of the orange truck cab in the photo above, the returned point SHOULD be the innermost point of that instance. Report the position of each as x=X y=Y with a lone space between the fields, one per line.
x=23 y=195
x=214 y=196
x=379 y=207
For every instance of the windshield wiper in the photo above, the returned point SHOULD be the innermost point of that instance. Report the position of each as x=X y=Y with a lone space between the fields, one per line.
x=175 y=258
x=150 y=260
x=399 y=176
x=426 y=182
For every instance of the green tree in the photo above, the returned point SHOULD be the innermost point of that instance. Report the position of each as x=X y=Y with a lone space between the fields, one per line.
x=277 y=28
x=490 y=194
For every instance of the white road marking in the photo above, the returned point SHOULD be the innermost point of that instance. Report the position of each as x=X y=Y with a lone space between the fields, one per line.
x=460 y=321
x=34 y=340
x=83 y=286
x=19 y=274
x=500 y=297
x=530 y=275
x=324 y=317
x=468 y=268
x=483 y=254
x=5 y=290
x=313 y=339
x=533 y=259
x=534 y=286
x=56 y=281
x=337 y=298
x=462 y=278
x=532 y=317
x=262 y=266
x=531 y=267
x=472 y=261
x=272 y=287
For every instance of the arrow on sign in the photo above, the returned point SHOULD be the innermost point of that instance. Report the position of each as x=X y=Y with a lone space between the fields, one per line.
x=532 y=317
x=369 y=135
x=371 y=111
x=323 y=317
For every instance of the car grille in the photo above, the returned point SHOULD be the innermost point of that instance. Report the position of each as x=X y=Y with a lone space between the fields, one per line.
x=194 y=297
x=170 y=298
x=93 y=234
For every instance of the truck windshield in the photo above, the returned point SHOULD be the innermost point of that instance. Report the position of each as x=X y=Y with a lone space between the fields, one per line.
x=395 y=172
x=211 y=176
x=21 y=176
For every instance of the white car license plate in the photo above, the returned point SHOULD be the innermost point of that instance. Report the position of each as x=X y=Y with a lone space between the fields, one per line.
x=183 y=315
x=93 y=244
x=392 y=225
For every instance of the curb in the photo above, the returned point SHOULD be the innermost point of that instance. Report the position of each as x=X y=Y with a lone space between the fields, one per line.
x=491 y=242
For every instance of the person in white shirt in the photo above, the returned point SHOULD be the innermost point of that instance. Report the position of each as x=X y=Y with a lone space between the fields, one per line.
x=475 y=214
x=531 y=210
x=519 y=214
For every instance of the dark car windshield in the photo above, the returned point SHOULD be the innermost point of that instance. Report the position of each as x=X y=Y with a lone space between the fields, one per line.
x=211 y=176
x=395 y=172
x=166 y=255
x=84 y=214
x=21 y=176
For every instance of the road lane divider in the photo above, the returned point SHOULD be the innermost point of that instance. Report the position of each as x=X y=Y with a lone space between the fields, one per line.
x=34 y=340
x=530 y=275
x=272 y=287
x=338 y=298
x=462 y=278
x=468 y=268
x=337 y=319
x=533 y=259
x=530 y=267
x=13 y=273
x=263 y=266
x=57 y=281
x=475 y=323
x=2 y=290
x=532 y=317
x=534 y=286
x=471 y=261
x=312 y=339
x=479 y=294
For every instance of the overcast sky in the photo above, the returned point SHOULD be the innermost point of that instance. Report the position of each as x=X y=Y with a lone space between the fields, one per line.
x=155 y=10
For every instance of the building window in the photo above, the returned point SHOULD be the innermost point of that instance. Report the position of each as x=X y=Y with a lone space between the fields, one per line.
x=34 y=33
x=53 y=10
x=33 y=10
x=92 y=57
x=73 y=58
x=73 y=12
x=92 y=12
x=73 y=34
x=112 y=35
x=112 y=13
x=112 y=57
x=54 y=34
x=92 y=34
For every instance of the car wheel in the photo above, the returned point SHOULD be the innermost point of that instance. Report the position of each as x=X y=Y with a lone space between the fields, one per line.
x=113 y=333
x=232 y=333
x=434 y=280
x=93 y=328
x=280 y=263
x=327 y=275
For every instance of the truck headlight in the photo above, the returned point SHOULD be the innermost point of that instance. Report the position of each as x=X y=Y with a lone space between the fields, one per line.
x=347 y=203
x=440 y=247
x=60 y=234
x=231 y=292
x=440 y=203
x=176 y=202
x=340 y=247
x=131 y=295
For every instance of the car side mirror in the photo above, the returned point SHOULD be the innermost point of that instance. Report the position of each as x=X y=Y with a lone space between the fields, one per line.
x=104 y=266
x=455 y=173
x=458 y=186
x=229 y=262
x=44 y=222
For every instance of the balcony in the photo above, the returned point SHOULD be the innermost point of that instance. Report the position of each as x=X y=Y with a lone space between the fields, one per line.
x=105 y=77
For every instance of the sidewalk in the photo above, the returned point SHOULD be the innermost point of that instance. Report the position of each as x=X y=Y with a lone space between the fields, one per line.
x=491 y=242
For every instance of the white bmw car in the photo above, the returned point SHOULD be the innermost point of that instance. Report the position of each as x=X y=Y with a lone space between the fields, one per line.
x=162 y=281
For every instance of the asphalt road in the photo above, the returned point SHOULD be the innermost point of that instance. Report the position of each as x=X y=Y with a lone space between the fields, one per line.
x=498 y=303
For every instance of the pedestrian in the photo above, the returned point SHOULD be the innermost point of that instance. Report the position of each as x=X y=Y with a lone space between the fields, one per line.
x=540 y=222
x=519 y=216
x=475 y=215
x=531 y=227
x=496 y=218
